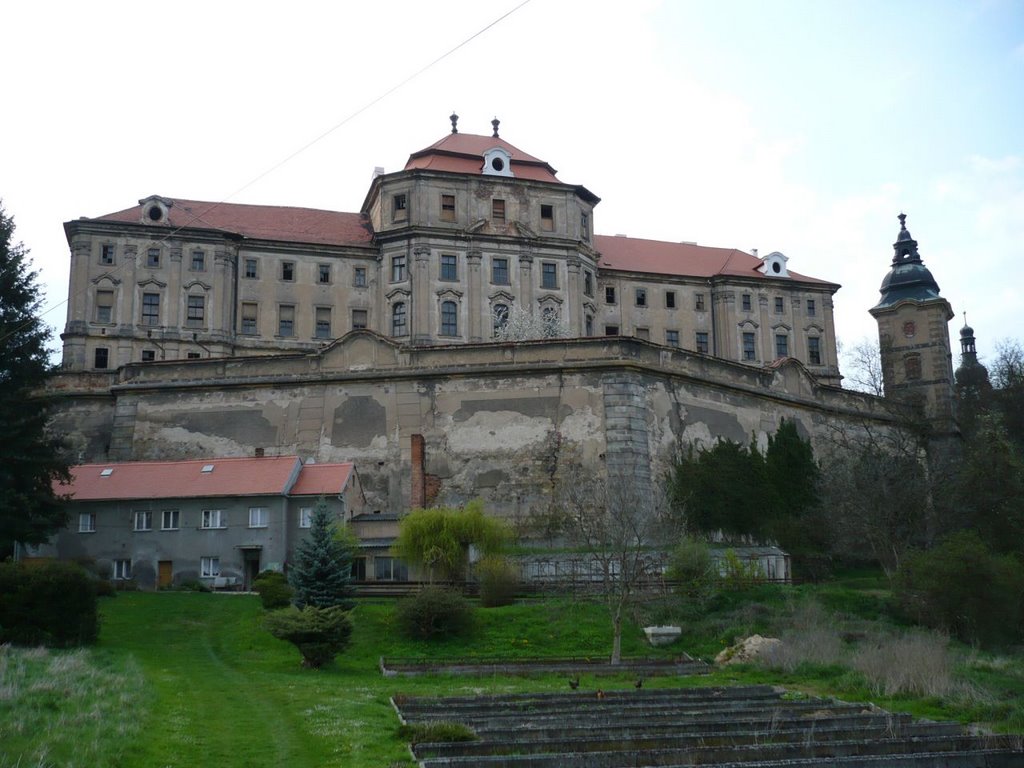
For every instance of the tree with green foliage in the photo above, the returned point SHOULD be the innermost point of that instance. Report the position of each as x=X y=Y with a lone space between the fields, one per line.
x=322 y=572
x=438 y=539
x=30 y=458
x=320 y=634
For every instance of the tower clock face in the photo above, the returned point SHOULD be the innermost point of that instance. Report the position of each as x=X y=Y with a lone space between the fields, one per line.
x=909 y=329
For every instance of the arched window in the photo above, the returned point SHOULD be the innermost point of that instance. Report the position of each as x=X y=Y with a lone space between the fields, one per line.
x=500 y=317
x=449 y=318
x=398 y=325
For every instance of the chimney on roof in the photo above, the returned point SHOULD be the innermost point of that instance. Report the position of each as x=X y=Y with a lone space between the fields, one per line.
x=455 y=121
x=754 y=252
x=378 y=170
x=495 y=122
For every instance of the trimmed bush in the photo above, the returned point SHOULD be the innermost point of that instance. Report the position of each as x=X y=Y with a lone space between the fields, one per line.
x=273 y=589
x=694 y=571
x=498 y=581
x=51 y=604
x=320 y=634
x=434 y=612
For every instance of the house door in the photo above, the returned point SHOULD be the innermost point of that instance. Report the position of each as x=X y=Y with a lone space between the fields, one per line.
x=165 y=573
x=252 y=566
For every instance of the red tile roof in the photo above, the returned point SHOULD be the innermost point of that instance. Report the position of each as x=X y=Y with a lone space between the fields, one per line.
x=630 y=254
x=326 y=479
x=464 y=152
x=264 y=222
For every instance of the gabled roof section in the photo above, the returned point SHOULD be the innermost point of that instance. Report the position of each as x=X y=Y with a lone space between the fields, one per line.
x=657 y=257
x=326 y=479
x=260 y=222
x=464 y=153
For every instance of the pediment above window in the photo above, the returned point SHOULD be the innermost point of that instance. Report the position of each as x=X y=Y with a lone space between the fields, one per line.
x=152 y=281
x=748 y=324
x=398 y=294
x=502 y=297
x=197 y=283
x=106 y=276
x=449 y=293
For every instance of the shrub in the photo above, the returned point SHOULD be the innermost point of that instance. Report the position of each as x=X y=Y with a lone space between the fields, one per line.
x=105 y=588
x=916 y=663
x=740 y=573
x=694 y=571
x=498 y=581
x=435 y=733
x=320 y=634
x=273 y=589
x=434 y=612
x=51 y=604
x=812 y=638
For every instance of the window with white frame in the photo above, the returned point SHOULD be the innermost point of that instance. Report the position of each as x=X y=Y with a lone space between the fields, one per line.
x=87 y=522
x=212 y=518
x=143 y=520
x=122 y=570
x=209 y=567
x=305 y=517
x=258 y=517
x=170 y=520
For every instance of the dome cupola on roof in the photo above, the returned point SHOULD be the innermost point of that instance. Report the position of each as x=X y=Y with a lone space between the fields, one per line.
x=908 y=279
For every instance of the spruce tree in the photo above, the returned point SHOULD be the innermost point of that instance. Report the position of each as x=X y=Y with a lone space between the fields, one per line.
x=30 y=458
x=322 y=573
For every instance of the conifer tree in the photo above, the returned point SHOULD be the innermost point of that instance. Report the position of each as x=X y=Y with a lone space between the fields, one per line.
x=322 y=573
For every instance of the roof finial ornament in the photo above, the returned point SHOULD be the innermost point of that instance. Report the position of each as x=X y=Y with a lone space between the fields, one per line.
x=495 y=122
x=455 y=121
x=903 y=221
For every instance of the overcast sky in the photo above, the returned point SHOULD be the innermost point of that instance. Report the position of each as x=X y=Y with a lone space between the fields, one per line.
x=803 y=126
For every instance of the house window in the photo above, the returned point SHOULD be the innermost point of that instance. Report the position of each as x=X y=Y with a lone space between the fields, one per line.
x=811 y=308
x=153 y=258
x=322 y=328
x=399 y=207
x=498 y=211
x=641 y=297
x=781 y=345
x=209 y=567
x=170 y=520
x=643 y=333
x=104 y=306
x=547 y=218
x=499 y=271
x=500 y=317
x=192 y=356
x=251 y=271
x=746 y=302
x=585 y=226
x=609 y=294
x=198 y=261
x=449 y=319
x=288 y=270
x=122 y=570
x=397 y=269
x=87 y=522
x=151 y=309
x=814 y=350
x=286 y=320
x=588 y=326
x=359 y=318
x=358 y=569
x=305 y=517
x=323 y=273
x=912 y=367
x=258 y=517
x=398 y=324
x=698 y=302
x=447 y=207
x=196 y=311
x=449 y=266
x=249 y=318
x=611 y=330
x=670 y=299
x=144 y=520
x=779 y=305
x=390 y=569
x=106 y=254
x=588 y=283
x=702 y=342
x=359 y=277
x=212 y=518
x=672 y=338
x=549 y=275
x=749 y=348
x=148 y=355
x=101 y=358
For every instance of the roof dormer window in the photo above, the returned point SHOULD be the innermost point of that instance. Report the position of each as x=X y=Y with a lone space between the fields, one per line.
x=155 y=209
x=497 y=162
x=774 y=265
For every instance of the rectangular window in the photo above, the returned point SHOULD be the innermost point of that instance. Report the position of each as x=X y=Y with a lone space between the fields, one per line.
x=780 y=305
x=209 y=567
x=212 y=518
x=588 y=283
x=101 y=358
x=87 y=522
x=359 y=318
x=305 y=517
x=170 y=520
x=611 y=330
x=549 y=275
x=106 y=254
x=397 y=269
x=251 y=271
x=702 y=342
x=286 y=320
x=641 y=297
x=198 y=261
x=153 y=257
x=323 y=273
x=288 y=270
x=585 y=227
x=390 y=569
x=745 y=299
x=151 y=309
x=447 y=207
x=670 y=299
x=192 y=356
x=814 y=350
x=609 y=294
x=148 y=355
x=749 y=348
x=643 y=333
x=672 y=338
x=359 y=277
x=399 y=207
x=449 y=266
x=358 y=569
x=196 y=314
x=811 y=308
x=258 y=517
x=698 y=302
x=498 y=211
x=249 y=318
x=144 y=520
x=781 y=345
x=104 y=306
x=398 y=320
x=547 y=218
x=449 y=318
x=322 y=328
x=122 y=570
x=499 y=271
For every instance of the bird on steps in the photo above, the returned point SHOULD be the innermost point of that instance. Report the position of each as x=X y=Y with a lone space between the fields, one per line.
x=574 y=682
x=600 y=693
x=639 y=683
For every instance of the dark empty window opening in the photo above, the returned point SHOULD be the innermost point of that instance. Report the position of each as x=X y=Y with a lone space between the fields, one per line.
x=153 y=258
x=101 y=358
x=323 y=272
x=155 y=213
x=148 y=355
x=641 y=297
x=547 y=217
x=399 y=208
x=447 y=207
x=498 y=210
x=670 y=299
x=611 y=330
x=288 y=270
x=609 y=294
x=106 y=254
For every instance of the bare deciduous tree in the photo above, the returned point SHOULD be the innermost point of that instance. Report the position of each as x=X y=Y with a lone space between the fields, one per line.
x=862 y=367
x=522 y=324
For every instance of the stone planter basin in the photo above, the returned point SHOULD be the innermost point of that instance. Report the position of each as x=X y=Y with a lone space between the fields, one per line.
x=662 y=635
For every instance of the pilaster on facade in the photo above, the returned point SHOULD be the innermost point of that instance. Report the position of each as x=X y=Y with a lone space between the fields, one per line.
x=477 y=309
x=420 y=332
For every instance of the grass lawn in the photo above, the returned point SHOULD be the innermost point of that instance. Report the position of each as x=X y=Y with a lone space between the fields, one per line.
x=186 y=679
